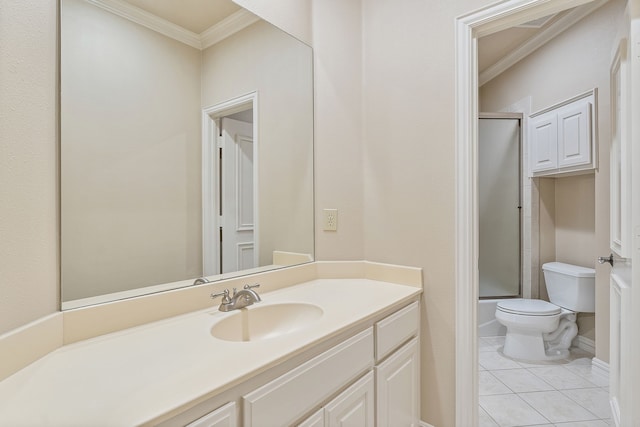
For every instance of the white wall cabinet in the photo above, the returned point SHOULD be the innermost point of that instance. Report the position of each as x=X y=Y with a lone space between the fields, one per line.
x=562 y=137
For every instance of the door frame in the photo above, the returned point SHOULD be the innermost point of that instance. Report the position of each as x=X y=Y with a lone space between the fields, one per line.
x=210 y=178
x=469 y=28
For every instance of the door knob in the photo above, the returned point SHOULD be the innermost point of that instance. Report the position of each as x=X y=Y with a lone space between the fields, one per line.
x=609 y=259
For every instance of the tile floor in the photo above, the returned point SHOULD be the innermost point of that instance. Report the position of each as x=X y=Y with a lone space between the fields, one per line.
x=563 y=393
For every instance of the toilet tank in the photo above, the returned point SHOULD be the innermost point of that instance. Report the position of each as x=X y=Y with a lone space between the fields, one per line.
x=571 y=286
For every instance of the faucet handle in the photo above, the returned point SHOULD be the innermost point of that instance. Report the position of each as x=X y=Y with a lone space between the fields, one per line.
x=257 y=285
x=225 y=296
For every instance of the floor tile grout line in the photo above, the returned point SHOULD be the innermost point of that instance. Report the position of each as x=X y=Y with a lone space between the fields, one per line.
x=575 y=360
x=581 y=405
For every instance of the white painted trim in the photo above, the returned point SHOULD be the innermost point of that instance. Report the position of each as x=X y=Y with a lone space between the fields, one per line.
x=469 y=27
x=586 y=344
x=149 y=20
x=210 y=166
x=223 y=29
x=540 y=39
x=423 y=424
x=210 y=259
x=593 y=93
x=227 y=27
x=600 y=368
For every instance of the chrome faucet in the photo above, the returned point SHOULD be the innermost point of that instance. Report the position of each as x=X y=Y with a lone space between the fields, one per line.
x=239 y=299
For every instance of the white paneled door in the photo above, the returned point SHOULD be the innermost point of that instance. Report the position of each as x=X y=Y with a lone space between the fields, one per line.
x=625 y=223
x=237 y=221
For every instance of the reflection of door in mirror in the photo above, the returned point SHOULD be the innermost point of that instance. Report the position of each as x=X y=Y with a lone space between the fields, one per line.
x=237 y=250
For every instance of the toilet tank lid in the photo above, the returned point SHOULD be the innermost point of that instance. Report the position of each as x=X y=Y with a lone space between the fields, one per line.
x=568 y=269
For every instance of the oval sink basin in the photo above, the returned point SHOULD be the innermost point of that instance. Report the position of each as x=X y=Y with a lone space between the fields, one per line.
x=260 y=322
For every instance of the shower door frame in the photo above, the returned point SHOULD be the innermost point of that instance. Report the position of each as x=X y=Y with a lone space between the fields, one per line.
x=520 y=118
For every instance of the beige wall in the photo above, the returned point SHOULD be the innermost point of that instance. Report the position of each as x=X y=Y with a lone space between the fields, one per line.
x=576 y=234
x=384 y=158
x=409 y=168
x=130 y=155
x=28 y=171
x=576 y=61
x=338 y=127
x=265 y=59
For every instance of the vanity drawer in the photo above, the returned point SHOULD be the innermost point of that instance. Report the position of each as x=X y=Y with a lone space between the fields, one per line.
x=396 y=329
x=289 y=397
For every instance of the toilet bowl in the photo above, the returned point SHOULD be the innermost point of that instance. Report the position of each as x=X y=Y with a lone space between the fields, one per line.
x=539 y=330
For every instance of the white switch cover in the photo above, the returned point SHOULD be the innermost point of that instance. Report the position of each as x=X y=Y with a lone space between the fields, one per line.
x=330 y=219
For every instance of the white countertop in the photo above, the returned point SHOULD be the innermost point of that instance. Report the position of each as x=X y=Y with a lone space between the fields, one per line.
x=138 y=374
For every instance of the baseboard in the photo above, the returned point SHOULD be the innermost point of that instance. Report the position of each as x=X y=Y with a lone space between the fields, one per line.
x=599 y=367
x=586 y=344
x=423 y=424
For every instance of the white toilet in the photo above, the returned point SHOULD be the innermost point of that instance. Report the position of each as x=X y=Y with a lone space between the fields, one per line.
x=539 y=330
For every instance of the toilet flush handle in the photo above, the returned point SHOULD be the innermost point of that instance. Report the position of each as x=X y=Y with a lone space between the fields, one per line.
x=609 y=259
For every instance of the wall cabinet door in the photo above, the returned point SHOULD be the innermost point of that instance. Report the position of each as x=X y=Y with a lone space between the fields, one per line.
x=574 y=135
x=544 y=143
x=221 y=417
x=398 y=388
x=354 y=407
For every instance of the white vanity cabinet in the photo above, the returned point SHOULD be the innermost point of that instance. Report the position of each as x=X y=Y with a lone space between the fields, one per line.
x=353 y=407
x=398 y=368
x=398 y=387
x=286 y=399
x=221 y=417
x=562 y=137
x=388 y=371
x=370 y=378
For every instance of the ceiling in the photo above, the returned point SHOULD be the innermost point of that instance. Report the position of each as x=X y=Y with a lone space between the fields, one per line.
x=499 y=51
x=495 y=46
x=193 y=15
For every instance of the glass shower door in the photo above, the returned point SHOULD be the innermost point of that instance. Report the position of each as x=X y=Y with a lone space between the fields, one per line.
x=499 y=207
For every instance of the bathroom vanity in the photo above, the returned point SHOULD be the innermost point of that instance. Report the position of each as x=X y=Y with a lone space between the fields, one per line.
x=340 y=347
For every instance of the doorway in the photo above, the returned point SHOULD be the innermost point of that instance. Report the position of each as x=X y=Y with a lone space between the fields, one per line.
x=469 y=29
x=230 y=196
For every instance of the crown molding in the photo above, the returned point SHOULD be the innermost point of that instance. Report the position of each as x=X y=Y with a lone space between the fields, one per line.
x=538 y=41
x=228 y=26
x=225 y=28
x=151 y=21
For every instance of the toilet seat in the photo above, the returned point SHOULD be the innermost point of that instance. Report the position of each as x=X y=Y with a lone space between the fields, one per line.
x=528 y=307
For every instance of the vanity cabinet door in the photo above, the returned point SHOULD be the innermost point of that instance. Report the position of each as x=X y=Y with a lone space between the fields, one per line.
x=354 y=407
x=398 y=388
x=315 y=420
x=221 y=417
x=288 y=398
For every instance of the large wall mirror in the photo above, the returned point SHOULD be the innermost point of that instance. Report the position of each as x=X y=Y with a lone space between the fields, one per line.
x=186 y=146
